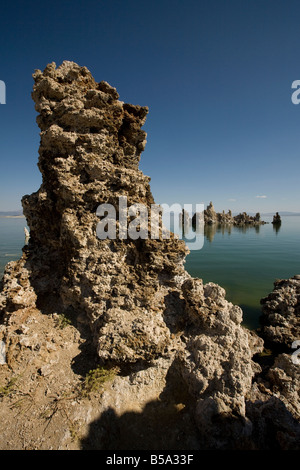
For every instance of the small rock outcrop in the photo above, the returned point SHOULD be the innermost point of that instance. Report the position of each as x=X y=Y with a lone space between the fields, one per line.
x=212 y=217
x=276 y=219
x=171 y=349
x=245 y=219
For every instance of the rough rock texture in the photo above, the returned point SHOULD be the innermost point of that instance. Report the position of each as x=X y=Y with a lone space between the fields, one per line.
x=281 y=314
x=274 y=405
x=89 y=153
x=179 y=367
x=213 y=333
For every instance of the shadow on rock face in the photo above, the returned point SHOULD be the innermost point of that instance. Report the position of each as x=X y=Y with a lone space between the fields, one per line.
x=170 y=423
x=163 y=425
x=274 y=427
x=166 y=423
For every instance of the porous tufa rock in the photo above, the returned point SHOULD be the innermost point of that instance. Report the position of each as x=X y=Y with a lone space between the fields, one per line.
x=132 y=300
x=280 y=320
x=89 y=154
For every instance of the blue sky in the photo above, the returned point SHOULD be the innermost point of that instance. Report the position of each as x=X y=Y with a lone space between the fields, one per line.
x=215 y=74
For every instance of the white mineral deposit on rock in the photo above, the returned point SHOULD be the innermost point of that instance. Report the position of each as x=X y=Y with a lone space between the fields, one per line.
x=2 y=353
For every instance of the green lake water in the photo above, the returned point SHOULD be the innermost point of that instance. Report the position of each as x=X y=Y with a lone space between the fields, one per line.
x=245 y=262
x=12 y=239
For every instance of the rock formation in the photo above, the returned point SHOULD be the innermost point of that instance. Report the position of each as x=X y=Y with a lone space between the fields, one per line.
x=281 y=314
x=89 y=153
x=276 y=219
x=280 y=377
x=212 y=217
x=244 y=219
x=174 y=349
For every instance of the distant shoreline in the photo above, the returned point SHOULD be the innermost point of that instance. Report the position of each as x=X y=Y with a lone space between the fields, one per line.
x=12 y=216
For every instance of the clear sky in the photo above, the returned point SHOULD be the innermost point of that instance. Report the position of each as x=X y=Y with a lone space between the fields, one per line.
x=215 y=74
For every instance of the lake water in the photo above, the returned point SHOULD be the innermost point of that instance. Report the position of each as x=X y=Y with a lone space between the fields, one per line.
x=245 y=262
x=12 y=239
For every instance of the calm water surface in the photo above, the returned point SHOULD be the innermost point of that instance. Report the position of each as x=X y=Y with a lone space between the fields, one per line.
x=245 y=262
x=12 y=239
